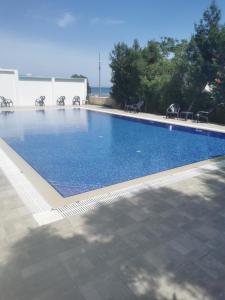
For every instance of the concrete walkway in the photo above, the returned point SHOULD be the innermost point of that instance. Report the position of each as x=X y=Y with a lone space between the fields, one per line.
x=165 y=243
x=160 y=118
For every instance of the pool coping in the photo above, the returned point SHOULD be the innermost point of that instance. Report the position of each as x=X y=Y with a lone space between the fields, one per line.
x=56 y=201
x=160 y=119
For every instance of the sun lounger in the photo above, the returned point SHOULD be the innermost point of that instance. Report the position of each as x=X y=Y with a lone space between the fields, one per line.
x=76 y=100
x=203 y=115
x=40 y=101
x=61 y=100
x=173 y=110
x=134 y=107
x=5 y=101
x=2 y=102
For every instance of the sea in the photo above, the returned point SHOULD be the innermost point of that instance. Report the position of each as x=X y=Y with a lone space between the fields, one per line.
x=105 y=91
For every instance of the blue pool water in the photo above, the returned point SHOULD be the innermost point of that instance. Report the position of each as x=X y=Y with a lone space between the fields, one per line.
x=77 y=150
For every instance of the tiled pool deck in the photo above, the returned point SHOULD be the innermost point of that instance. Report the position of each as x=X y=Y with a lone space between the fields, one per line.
x=161 y=242
x=160 y=118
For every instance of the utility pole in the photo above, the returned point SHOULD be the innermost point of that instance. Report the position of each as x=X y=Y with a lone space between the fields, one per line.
x=99 y=75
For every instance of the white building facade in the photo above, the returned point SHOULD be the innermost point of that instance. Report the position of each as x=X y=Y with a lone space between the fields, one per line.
x=23 y=90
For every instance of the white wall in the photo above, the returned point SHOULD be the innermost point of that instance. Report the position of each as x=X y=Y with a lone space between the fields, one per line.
x=8 y=83
x=29 y=90
x=69 y=89
x=24 y=90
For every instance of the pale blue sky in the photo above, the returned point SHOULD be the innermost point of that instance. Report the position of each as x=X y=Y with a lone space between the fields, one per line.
x=59 y=38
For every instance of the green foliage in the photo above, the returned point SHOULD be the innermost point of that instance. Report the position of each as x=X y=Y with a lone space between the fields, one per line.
x=172 y=71
x=78 y=76
x=127 y=68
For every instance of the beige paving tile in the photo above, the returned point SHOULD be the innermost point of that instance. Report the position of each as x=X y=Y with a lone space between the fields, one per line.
x=162 y=242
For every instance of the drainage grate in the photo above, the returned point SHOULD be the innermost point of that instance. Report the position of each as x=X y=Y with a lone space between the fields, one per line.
x=89 y=205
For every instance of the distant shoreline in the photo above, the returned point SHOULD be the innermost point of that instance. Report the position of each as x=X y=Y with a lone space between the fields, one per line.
x=105 y=91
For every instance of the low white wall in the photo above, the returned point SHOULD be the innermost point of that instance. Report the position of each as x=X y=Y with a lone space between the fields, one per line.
x=70 y=88
x=30 y=89
x=24 y=90
x=8 y=83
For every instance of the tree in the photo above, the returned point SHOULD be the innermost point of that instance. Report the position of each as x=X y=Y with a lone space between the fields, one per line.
x=127 y=67
x=206 y=55
x=165 y=73
x=169 y=70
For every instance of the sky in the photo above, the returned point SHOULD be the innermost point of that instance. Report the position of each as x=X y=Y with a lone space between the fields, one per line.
x=60 y=38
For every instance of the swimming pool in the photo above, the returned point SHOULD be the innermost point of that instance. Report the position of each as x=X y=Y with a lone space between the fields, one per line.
x=78 y=150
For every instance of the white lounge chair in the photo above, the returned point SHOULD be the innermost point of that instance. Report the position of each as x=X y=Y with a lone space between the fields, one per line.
x=61 y=100
x=76 y=100
x=40 y=101
x=5 y=101
x=173 y=110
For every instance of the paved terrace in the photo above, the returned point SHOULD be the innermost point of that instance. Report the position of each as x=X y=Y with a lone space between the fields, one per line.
x=161 y=243
x=160 y=118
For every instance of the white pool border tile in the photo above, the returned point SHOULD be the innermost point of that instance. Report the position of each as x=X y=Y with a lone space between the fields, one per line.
x=83 y=207
x=44 y=214
x=32 y=199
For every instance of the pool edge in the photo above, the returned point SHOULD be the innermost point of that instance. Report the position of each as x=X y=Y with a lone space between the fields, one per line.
x=55 y=200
